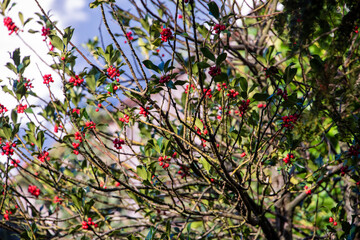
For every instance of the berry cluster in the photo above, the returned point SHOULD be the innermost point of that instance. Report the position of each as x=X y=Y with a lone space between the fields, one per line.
x=45 y=32
x=184 y=171
x=232 y=93
x=354 y=150
x=113 y=72
x=6 y=215
x=331 y=220
x=90 y=125
x=166 y=34
x=289 y=121
x=33 y=190
x=118 y=142
x=164 y=161
x=205 y=132
x=10 y=25
x=288 y=158
x=3 y=109
x=125 y=118
x=77 y=81
x=144 y=111
x=356 y=29
x=207 y=92
x=76 y=110
x=21 y=108
x=78 y=136
x=261 y=105
x=243 y=107
x=44 y=156
x=344 y=170
x=282 y=93
x=15 y=162
x=8 y=149
x=47 y=79
x=76 y=146
x=129 y=36
x=220 y=86
x=187 y=88
x=219 y=28
x=88 y=224
x=57 y=200
x=214 y=71
x=99 y=106
x=307 y=190
x=28 y=85
x=164 y=79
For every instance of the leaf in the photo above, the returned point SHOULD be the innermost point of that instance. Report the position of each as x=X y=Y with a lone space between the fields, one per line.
x=16 y=56
x=205 y=164
x=221 y=58
x=243 y=84
x=203 y=65
x=14 y=116
x=56 y=42
x=170 y=84
x=199 y=124
x=40 y=139
x=68 y=32
x=207 y=53
x=21 y=17
x=214 y=9
x=289 y=74
x=260 y=96
x=141 y=171
x=149 y=65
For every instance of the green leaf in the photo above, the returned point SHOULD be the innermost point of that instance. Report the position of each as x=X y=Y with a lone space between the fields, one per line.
x=289 y=74
x=68 y=32
x=141 y=171
x=243 y=84
x=199 y=124
x=16 y=56
x=57 y=42
x=40 y=139
x=149 y=65
x=203 y=65
x=21 y=17
x=11 y=67
x=221 y=58
x=261 y=96
x=214 y=9
x=205 y=164
x=32 y=31
x=207 y=53
x=88 y=206
x=14 y=116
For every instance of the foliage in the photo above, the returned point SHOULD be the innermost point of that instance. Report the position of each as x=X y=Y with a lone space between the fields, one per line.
x=204 y=123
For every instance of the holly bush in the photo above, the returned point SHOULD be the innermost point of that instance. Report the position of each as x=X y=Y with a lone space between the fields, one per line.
x=200 y=120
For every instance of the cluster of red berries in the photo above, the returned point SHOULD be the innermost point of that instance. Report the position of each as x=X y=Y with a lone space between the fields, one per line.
x=288 y=158
x=15 y=162
x=28 y=85
x=33 y=190
x=77 y=81
x=57 y=200
x=44 y=156
x=125 y=118
x=282 y=93
x=118 y=142
x=10 y=25
x=187 y=88
x=88 y=223
x=354 y=150
x=356 y=29
x=56 y=128
x=166 y=34
x=90 y=125
x=261 y=105
x=220 y=86
x=232 y=93
x=243 y=107
x=205 y=132
x=164 y=161
x=289 y=121
x=3 y=109
x=45 y=32
x=144 y=111
x=79 y=136
x=219 y=28
x=307 y=190
x=8 y=149
x=76 y=146
x=129 y=36
x=21 y=108
x=331 y=220
x=214 y=71
x=76 y=110
x=113 y=72
x=99 y=106
x=6 y=215
x=164 y=79
x=47 y=79
x=184 y=171
x=344 y=170
x=207 y=92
